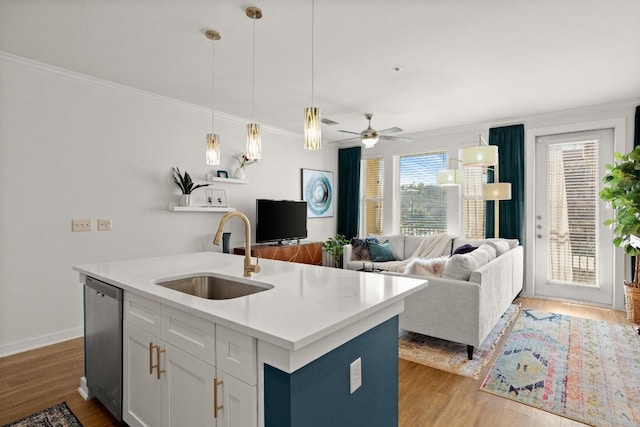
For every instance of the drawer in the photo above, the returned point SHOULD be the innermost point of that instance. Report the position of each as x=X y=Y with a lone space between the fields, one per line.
x=142 y=312
x=189 y=333
x=236 y=354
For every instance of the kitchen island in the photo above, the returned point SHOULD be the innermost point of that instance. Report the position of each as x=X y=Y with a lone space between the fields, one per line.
x=284 y=354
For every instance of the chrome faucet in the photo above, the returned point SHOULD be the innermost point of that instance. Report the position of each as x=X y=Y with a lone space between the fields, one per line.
x=248 y=266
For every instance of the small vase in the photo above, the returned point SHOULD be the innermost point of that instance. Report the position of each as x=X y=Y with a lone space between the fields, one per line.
x=239 y=173
x=185 y=200
x=225 y=242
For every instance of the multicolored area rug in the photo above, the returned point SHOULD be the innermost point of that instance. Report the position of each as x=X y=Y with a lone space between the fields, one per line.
x=57 y=416
x=584 y=369
x=450 y=356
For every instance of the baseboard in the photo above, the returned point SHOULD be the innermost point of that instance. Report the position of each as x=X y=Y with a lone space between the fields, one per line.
x=37 y=342
x=83 y=390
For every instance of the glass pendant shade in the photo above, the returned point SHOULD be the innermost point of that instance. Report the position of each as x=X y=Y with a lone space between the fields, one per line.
x=254 y=143
x=450 y=177
x=482 y=155
x=213 y=149
x=312 y=131
x=496 y=191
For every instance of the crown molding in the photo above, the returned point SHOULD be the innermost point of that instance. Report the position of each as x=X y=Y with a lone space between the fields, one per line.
x=85 y=78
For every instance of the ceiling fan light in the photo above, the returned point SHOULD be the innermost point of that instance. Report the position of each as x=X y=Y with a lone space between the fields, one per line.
x=312 y=130
x=254 y=142
x=369 y=140
x=213 y=149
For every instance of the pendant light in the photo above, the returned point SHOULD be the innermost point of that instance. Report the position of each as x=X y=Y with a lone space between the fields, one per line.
x=312 y=131
x=213 y=139
x=450 y=177
x=254 y=143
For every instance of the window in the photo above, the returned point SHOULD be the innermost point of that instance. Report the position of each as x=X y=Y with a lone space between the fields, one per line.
x=371 y=212
x=423 y=203
x=473 y=204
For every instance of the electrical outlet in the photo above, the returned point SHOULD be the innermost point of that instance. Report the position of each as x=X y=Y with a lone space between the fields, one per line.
x=104 y=224
x=355 y=375
x=80 y=225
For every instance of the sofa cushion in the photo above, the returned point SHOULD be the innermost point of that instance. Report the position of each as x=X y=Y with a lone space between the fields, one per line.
x=465 y=249
x=381 y=252
x=460 y=241
x=501 y=246
x=360 y=251
x=460 y=266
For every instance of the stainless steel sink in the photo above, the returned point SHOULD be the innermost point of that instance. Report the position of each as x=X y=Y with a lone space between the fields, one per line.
x=215 y=287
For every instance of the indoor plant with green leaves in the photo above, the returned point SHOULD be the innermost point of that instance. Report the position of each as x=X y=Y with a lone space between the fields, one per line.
x=334 y=246
x=622 y=192
x=186 y=185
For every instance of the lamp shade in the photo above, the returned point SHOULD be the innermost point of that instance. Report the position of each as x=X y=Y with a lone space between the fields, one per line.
x=450 y=177
x=481 y=155
x=496 y=191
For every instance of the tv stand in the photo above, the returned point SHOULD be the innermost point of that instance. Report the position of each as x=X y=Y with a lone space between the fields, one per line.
x=303 y=253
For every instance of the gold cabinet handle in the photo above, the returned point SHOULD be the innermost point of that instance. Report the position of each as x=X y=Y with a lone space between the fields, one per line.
x=216 y=407
x=158 y=353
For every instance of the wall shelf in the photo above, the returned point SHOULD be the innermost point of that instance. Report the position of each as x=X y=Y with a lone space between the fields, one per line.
x=213 y=178
x=175 y=208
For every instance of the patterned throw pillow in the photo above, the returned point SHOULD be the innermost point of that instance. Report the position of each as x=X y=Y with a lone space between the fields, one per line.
x=361 y=248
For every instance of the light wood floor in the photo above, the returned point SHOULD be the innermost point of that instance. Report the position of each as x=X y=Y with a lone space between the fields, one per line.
x=37 y=379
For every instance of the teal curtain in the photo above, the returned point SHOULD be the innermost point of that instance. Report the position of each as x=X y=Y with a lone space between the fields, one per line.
x=636 y=142
x=510 y=142
x=348 y=191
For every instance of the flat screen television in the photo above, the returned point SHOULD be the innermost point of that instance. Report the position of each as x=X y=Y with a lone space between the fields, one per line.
x=280 y=220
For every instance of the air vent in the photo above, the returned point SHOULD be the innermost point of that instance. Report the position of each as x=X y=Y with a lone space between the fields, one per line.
x=328 y=122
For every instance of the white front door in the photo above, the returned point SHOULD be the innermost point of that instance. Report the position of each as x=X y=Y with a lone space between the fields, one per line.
x=573 y=250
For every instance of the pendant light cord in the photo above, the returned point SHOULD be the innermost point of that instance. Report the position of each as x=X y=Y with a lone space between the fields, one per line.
x=313 y=13
x=253 y=80
x=213 y=84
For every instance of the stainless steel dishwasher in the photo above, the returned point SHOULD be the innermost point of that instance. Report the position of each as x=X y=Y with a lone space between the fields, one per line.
x=103 y=343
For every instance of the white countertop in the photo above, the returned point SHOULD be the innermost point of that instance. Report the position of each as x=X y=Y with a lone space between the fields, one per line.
x=306 y=304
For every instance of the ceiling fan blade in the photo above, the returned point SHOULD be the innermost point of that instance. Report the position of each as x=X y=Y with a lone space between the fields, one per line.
x=348 y=131
x=394 y=129
x=345 y=140
x=395 y=138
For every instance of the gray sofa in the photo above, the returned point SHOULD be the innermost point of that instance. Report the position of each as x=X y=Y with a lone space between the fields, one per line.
x=461 y=306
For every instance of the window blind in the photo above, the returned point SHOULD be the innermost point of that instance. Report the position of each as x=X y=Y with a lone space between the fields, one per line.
x=422 y=203
x=373 y=195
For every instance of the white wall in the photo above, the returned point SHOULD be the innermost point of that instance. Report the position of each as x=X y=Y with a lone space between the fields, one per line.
x=76 y=147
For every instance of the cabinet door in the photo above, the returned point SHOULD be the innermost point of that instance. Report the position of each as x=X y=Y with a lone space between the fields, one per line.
x=239 y=402
x=187 y=394
x=142 y=390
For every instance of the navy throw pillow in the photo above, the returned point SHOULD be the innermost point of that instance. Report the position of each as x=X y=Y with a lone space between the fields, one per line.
x=464 y=249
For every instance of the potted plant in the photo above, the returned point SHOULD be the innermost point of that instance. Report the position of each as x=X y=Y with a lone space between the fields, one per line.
x=334 y=246
x=186 y=185
x=622 y=193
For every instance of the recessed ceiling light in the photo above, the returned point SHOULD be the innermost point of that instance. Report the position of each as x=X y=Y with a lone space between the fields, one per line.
x=397 y=69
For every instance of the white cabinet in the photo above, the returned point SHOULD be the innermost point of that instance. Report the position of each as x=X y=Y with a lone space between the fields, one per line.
x=170 y=375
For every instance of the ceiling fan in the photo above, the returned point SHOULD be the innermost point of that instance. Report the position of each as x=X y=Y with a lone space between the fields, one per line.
x=369 y=137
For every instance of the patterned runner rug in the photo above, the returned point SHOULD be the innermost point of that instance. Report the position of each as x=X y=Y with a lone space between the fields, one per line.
x=583 y=369
x=59 y=416
x=450 y=356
